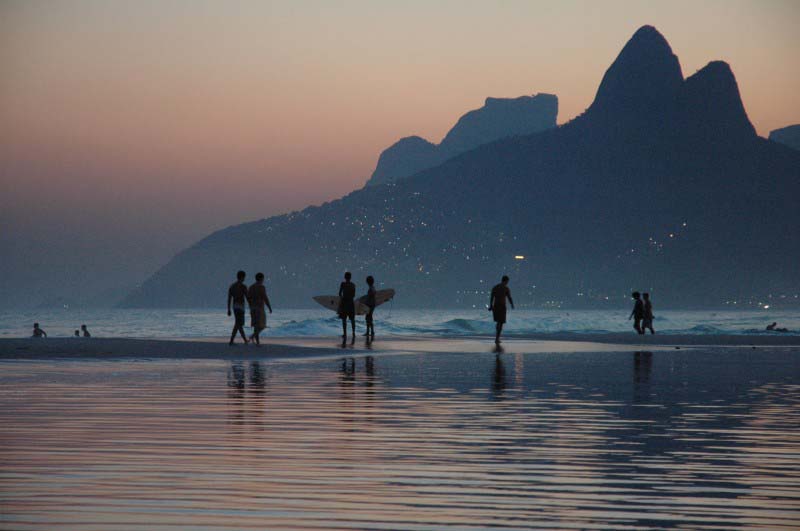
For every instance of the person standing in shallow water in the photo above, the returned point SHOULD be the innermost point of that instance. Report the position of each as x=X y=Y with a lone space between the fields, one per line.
x=347 y=306
x=370 y=303
x=497 y=305
x=237 y=294
x=647 y=320
x=257 y=297
x=637 y=313
x=85 y=331
x=38 y=332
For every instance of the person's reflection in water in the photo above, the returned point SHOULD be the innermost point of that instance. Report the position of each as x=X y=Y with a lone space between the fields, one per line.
x=642 y=367
x=242 y=384
x=236 y=389
x=499 y=382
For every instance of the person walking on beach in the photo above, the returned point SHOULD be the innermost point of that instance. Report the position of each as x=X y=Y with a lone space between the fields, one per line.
x=237 y=294
x=637 y=313
x=257 y=296
x=347 y=306
x=38 y=332
x=369 y=301
x=85 y=331
x=497 y=305
x=647 y=320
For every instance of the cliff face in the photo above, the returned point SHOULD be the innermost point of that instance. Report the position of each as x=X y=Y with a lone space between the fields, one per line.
x=498 y=118
x=788 y=136
x=667 y=190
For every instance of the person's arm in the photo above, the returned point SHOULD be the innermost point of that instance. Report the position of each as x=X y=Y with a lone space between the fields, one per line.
x=44 y=333
x=341 y=289
x=491 y=301
x=266 y=299
x=510 y=300
x=230 y=297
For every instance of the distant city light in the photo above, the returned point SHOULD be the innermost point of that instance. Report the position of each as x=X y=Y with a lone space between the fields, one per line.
x=519 y=257
x=766 y=306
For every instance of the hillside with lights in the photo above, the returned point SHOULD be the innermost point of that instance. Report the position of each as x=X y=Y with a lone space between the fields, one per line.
x=661 y=185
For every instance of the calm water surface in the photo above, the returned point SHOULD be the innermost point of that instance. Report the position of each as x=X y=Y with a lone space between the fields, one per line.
x=701 y=439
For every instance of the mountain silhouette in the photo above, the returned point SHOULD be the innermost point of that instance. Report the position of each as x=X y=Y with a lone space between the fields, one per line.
x=661 y=185
x=788 y=136
x=498 y=118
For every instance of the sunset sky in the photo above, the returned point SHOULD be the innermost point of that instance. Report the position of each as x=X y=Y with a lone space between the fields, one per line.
x=128 y=130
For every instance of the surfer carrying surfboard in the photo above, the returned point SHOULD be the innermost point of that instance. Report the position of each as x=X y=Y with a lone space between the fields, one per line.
x=347 y=306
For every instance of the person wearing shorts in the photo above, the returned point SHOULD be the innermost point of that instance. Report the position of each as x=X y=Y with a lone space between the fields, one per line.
x=257 y=297
x=237 y=294
x=497 y=305
x=347 y=306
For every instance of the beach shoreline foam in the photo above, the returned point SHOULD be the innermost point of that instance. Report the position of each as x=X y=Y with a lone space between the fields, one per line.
x=314 y=347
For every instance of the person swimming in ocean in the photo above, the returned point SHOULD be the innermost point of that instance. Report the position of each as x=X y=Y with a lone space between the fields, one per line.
x=85 y=331
x=369 y=301
x=638 y=313
x=497 y=305
x=347 y=306
x=38 y=332
x=771 y=328
x=647 y=320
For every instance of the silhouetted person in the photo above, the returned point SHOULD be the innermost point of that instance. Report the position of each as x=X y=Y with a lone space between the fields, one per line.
x=77 y=333
x=38 y=332
x=369 y=301
x=647 y=320
x=497 y=305
x=237 y=294
x=638 y=312
x=257 y=297
x=347 y=306
x=771 y=328
x=85 y=331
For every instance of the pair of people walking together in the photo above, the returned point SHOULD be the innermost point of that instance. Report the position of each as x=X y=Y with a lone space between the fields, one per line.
x=642 y=313
x=239 y=295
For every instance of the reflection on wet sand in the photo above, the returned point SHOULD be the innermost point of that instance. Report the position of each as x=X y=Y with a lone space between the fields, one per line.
x=423 y=442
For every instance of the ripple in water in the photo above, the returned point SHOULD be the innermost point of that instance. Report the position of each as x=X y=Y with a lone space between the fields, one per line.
x=691 y=439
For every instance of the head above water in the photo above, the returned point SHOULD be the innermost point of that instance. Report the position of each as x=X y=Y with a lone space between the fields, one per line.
x=77 y=333
x=635 y=295
x=646 y=296
x=83 y=327
x=240 y=275
x=347 y=275
x=259 y=277
x=505 y=279
x=370 y=280
x=36 y=325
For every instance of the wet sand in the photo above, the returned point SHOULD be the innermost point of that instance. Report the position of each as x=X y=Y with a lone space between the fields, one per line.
x=300 y=347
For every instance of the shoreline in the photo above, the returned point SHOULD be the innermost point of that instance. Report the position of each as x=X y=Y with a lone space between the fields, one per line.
x=297 y=347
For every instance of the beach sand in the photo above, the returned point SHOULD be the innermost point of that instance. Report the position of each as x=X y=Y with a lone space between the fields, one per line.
x=300 y=347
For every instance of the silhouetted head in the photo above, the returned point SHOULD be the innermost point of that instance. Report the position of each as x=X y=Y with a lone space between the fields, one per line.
x=646 y=296
x=240 y=275
x=259 y=277
x=347 y=275
x=635 y=295
x=36 y=325
x=505 y=279
x=77 y=333
x=370 y=280
x=83 y=327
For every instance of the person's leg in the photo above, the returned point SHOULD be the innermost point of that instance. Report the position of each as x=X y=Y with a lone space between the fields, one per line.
x=353 y=325
x=344 y=328
x=498 y=330
x=233 y=335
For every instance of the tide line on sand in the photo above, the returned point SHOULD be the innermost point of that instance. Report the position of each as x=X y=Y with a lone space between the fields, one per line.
x=305 y=347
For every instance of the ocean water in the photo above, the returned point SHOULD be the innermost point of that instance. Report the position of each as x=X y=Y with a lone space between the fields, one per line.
x=312 y=322
x=419 y=442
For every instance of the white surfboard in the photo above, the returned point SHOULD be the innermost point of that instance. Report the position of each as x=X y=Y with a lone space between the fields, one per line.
x=331 y=302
